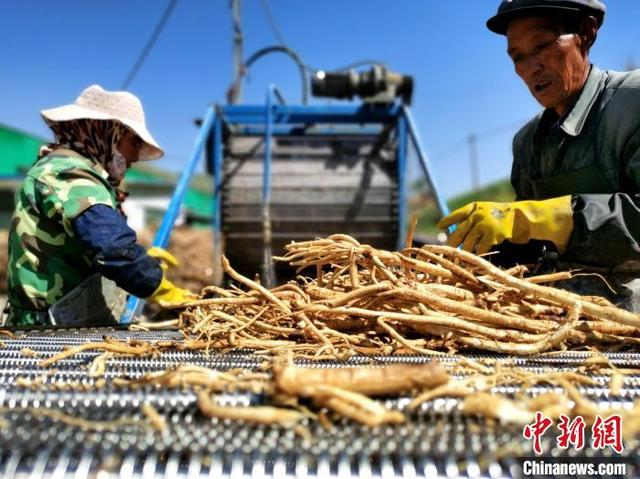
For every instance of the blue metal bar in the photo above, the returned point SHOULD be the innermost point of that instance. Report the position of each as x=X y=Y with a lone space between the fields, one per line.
x=250 y=114
x=217 y=175
x=424 y=161
x=267 y=273
x=401 y=133
x=216 y=168
x=268 y=131
x=278 y=94
x=162 y=236
x=296 y=130
x=169 y=219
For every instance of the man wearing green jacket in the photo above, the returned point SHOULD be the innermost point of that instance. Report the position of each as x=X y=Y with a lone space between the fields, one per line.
x=576 y=169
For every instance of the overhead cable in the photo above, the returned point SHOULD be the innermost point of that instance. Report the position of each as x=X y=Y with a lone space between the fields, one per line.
x=272 y=23
x=479 y=136
x=150 y=44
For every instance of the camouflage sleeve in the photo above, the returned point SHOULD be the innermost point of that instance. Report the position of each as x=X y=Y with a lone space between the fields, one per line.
x=70 y=192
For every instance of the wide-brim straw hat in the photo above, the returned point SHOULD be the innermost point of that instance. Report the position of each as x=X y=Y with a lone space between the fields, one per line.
x=96 y=103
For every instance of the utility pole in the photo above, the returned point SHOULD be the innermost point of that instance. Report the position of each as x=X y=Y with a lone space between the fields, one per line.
x=472 y=140
x=238 y=55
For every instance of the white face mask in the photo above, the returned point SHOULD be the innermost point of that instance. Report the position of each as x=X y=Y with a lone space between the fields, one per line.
x=117 y=167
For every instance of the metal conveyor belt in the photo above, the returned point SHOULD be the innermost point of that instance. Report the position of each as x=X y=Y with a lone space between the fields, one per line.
x=437 y=441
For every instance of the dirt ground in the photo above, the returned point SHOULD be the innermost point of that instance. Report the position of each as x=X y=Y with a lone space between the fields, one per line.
x=192 y=247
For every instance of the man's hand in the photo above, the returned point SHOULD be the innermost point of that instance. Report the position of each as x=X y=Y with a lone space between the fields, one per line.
x=482 y=225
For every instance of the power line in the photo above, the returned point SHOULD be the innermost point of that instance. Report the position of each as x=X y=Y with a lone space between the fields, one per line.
x=150 y=44
x=501 y=129
x=478 y=136
x=238 y=50
x=450 y=149
x=272 y=23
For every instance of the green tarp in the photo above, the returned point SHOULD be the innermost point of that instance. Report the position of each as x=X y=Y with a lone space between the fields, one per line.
x=18 y=151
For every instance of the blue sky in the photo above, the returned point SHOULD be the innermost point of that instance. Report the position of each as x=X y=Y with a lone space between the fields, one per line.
x=52 y=49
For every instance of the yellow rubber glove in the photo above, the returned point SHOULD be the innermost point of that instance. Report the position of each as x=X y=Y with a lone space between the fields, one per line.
x=170 y=294
x=165 y=258
x=167 y=293
x=484 y=224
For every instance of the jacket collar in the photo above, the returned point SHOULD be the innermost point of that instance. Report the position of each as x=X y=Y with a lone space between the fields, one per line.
x=577 y=117
x=94 y=164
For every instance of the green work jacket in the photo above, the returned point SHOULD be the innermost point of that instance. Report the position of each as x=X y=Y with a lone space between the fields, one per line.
x=592 y=154
x=46 y=260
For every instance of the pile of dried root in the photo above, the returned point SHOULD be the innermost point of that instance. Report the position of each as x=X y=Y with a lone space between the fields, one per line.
x=433 y=299
x=419 y=300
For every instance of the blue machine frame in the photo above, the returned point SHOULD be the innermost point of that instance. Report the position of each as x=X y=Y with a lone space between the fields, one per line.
x=278 y=119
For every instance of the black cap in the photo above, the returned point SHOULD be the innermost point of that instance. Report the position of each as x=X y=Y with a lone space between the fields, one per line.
x=510 y=10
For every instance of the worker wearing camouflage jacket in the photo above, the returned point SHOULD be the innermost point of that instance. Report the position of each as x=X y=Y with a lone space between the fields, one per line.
x=576 y=170
x=67 y=233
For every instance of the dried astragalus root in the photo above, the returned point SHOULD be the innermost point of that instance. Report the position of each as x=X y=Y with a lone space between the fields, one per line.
x=363 y=300
x=192 y=376
x=156 y=420
x=353 y=299
x=372 y=381
x=253 y=414
x=133 y=348
x=353 y=405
